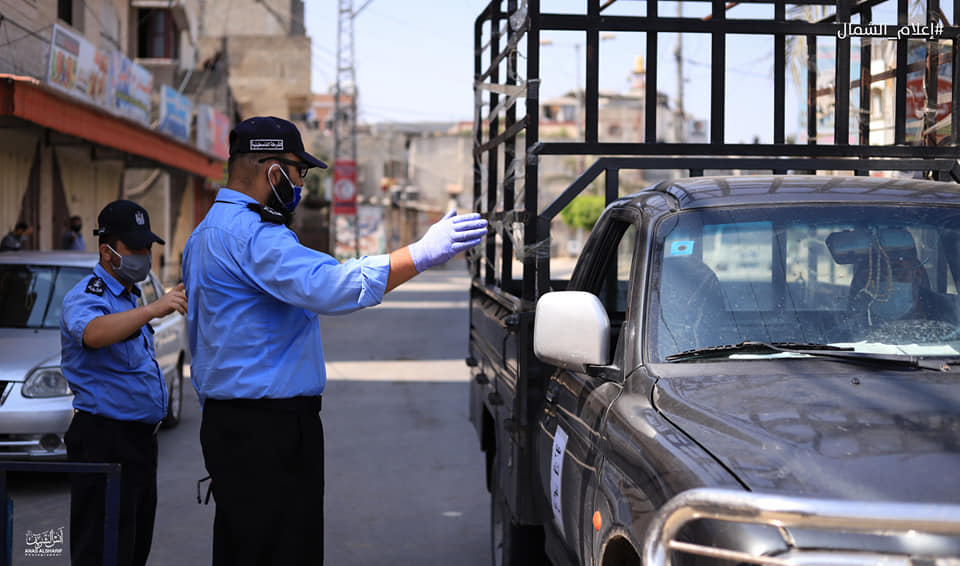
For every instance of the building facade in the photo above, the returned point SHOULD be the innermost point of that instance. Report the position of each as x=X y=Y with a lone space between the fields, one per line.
x=93 y=108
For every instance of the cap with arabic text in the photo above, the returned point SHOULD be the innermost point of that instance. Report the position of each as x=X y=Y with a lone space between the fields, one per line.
x=269 y=134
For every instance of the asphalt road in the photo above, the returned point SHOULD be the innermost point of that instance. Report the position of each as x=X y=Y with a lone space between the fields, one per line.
x=404 y=472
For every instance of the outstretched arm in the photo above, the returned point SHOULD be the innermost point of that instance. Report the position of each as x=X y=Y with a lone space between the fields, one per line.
x=445 y=239
x=401 y=268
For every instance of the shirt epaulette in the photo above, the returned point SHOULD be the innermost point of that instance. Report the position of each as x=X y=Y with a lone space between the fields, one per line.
x=96 y=286
x=270 y=214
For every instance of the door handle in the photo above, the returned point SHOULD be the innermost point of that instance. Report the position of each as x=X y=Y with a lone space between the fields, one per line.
x=551 y=393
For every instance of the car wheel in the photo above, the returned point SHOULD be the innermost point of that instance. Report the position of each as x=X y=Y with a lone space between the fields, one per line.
x=511 y=544
x=175 y=402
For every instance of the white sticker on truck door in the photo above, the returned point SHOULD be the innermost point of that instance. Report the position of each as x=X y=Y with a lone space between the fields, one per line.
x=556 y=474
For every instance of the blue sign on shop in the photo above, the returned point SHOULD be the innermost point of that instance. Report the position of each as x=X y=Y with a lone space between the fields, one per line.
x=176 y=112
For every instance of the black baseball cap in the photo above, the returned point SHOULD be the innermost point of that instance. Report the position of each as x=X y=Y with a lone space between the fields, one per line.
x=269 y=134
x=129 y=222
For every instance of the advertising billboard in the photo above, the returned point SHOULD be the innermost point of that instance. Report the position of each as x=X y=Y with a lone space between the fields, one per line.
x=176 y=112
x=78 y=67
x=213 y=131
x=132 y=86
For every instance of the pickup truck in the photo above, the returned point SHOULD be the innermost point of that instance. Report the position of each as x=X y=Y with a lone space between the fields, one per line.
x=741 y=369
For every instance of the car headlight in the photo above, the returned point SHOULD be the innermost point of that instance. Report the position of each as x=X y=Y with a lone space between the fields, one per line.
x=46 y=382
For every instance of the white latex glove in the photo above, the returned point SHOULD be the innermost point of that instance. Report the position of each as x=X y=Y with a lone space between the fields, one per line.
x=445 y=239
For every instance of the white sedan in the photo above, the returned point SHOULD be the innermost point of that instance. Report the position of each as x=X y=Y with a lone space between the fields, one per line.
x=36 y=404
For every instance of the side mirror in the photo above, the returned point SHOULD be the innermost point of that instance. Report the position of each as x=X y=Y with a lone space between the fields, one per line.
x=571 y=330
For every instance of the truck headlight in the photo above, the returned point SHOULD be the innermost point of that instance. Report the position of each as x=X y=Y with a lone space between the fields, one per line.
x=46 y=382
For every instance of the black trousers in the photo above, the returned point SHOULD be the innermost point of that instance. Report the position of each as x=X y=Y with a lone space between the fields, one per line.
x=93 y=438
x=265 y=457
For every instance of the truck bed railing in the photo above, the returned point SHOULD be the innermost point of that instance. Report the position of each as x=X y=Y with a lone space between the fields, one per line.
x=509 y=141
x=876 y=518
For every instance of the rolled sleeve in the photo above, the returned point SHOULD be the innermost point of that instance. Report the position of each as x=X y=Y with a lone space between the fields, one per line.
x=78 y=311
x=374 y=272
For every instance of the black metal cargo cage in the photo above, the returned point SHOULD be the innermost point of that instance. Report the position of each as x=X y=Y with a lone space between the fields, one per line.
x=906 y=49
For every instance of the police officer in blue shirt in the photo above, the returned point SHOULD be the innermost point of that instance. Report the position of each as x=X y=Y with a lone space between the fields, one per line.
x=119 y=393
x=257 y=364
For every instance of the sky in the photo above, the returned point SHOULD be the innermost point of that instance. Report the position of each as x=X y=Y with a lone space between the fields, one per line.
x=413 y=58
x=414 y=61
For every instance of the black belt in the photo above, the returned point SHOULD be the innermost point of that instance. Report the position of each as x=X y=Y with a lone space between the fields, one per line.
x=288 y=405
x=136 y=426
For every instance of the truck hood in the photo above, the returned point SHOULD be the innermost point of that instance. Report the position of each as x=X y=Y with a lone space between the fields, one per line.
x=24 y=349
x=873 y=435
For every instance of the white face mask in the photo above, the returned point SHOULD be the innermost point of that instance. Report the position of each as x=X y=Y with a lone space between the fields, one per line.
x=898 y=303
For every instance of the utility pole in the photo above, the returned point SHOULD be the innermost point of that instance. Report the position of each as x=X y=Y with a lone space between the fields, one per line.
x=345 y=128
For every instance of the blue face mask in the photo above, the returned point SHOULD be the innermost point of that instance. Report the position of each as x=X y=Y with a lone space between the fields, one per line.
x=295 y=191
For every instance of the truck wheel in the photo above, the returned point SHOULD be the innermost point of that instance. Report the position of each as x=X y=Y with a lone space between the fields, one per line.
x=511 y=544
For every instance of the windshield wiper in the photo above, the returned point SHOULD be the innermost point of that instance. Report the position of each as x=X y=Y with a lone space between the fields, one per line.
x=810 y=349
x=751 y=347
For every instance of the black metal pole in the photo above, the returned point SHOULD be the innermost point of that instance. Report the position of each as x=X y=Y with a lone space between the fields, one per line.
x=900 y=86
x=509 y=156
x=812 y=90
x=718 y=72
x=493 y=270
x=533 y=266
x=841 y=92
x=650 y=85
x=866 y=79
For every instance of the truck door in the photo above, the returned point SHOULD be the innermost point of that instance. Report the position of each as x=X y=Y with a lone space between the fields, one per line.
x=568 y=436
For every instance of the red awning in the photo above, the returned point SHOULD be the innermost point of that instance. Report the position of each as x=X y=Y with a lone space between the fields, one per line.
x=28 y=99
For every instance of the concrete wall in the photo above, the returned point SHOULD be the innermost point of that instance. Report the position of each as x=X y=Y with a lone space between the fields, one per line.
x=267 y=52
x=25 y=53
x=270 y=75
x=231 y=18
x=441 y=164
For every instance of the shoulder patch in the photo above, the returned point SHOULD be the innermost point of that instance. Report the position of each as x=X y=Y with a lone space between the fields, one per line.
x=96 y=286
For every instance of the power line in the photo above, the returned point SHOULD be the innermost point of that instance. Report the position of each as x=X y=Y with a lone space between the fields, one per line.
x=432 y=31
x=30 y=32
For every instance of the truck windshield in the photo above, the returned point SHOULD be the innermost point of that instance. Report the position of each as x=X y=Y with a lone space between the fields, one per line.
x=31 y=296
x=877 y=279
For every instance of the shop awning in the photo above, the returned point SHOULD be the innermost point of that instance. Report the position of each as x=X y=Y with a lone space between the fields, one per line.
x=30 y=100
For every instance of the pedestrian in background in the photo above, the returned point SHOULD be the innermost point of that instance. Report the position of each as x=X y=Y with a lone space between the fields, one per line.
x=73 y=237
x=254 y=333
x=120 y=396
x=15 y=239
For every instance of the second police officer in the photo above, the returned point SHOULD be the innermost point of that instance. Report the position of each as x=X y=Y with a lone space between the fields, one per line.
x=119 y=391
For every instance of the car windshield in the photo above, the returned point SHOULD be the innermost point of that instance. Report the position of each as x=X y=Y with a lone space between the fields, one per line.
x=877 y=279
x=31 y=295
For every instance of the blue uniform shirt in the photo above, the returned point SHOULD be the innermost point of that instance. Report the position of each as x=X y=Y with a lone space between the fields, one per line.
x=255 y=293
x=120 y=381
